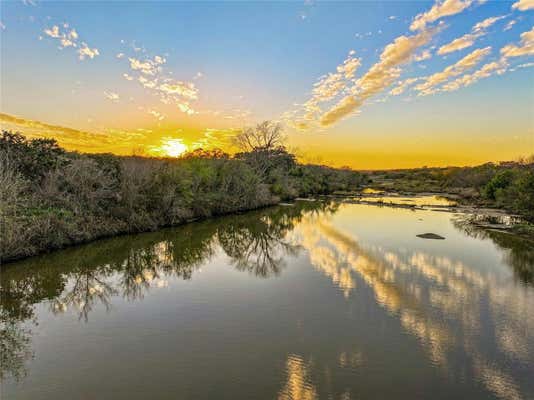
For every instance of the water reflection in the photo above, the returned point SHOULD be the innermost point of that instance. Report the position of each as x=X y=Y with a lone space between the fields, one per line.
x=518 y=253
x=80 y=278
x=444 y=303
x=259 y=246
x=470 y=322
x=298 y=385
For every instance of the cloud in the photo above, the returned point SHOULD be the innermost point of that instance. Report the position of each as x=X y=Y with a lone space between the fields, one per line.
x=69 y=38
x=483 y=25
x=458 y=44
x=471 y=60
x=85 y=51
x=121 y=142
x=379 y=76
x=523 y=5
x=468 y=39
x=329 y=86
x=183 y=89
x=120 y=55
x=346 y=106
x=147 y=67
x=499 y=67
x=402 y=86
x=509 y=25
x=347 y=96
x=468 y=79
x=73 y=34
x=213 y=138
x=525 y=48
x=439 y=9
x=424 y=55
x=111 y=96
x=159 y=60
x=149 y=72
x=53 y=32
x=2 y=26
x=157 y=115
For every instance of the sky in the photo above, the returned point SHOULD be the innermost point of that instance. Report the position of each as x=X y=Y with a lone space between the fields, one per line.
x=364 y=84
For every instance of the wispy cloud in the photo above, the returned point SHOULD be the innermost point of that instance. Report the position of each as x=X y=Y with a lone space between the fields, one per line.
x=350 y=95
x=85 y=51
x=149 y=72
x=439 y=10
x=328 y=87
x=68 y=37
x=122 y=142
x=468 y=79
x=458 y=44
x=111 y=96
x=470 y=61
x=156 y=114
x=509 y=25
x=213 y=138
x=469 y=39
x=379 y=76
x=424 y=55
x=525 y=47
x=500 y=66
x=403 y=85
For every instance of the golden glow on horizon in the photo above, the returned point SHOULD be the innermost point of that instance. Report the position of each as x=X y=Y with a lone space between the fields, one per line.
x=364 y=151
x=171 y=147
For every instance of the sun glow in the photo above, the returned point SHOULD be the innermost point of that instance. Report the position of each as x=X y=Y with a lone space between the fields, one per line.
x=172 y=147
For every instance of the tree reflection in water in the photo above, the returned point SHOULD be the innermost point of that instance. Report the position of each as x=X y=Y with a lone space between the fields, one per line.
x=80 y=278
x=518 y=252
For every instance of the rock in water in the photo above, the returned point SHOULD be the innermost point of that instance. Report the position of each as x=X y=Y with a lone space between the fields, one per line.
x=430 y=236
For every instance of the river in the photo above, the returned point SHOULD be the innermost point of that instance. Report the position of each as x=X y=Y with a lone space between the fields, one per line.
x=315 y=300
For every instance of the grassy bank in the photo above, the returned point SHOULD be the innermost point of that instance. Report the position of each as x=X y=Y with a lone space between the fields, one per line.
x=52 y=198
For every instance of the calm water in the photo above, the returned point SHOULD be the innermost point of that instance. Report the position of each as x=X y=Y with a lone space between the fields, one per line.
x=312 y=301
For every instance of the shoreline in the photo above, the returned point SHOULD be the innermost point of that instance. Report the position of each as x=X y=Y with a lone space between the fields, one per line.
x=477 y=216
x=104 y=236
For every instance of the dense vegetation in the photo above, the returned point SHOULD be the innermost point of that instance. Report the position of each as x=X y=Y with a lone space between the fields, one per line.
x=51 y=198
x=508 y=185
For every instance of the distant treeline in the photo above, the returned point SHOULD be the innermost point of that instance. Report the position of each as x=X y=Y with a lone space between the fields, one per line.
x=51 y=198
x=508 y=185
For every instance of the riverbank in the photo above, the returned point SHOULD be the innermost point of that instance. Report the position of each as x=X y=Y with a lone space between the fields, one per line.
x=51 y=198
x=507 y=186
x=476 y=215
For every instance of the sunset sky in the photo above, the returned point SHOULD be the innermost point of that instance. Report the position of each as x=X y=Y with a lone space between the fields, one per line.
x=367 y=84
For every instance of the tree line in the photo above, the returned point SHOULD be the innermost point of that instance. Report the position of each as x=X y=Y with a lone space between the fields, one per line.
x=52 y=198
x=506 y=185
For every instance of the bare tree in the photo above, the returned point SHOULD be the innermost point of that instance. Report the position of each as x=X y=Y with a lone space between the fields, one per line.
x=266 y=135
